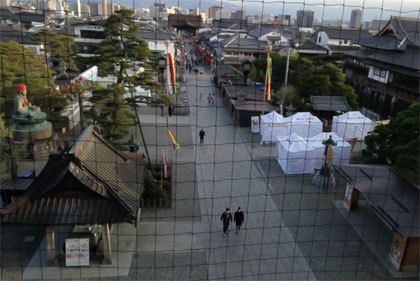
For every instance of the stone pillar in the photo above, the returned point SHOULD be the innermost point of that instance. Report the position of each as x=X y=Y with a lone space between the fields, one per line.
x=351 y=197
x=51 y=246
x=106 y=239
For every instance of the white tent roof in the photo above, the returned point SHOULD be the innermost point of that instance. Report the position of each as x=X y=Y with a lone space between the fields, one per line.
x=295 y=143
x=303 y=117
x=354 y=117
x=272 y=117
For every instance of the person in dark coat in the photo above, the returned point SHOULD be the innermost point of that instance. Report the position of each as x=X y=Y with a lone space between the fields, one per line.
x=201 y=134
x=226 y=218
x=238 y=218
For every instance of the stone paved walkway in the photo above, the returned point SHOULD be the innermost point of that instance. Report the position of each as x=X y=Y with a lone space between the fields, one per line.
x=292 y=231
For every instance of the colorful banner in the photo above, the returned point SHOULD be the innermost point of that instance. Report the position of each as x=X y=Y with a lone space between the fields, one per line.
x=171 y=80
x=268 y=70
x=173 y=140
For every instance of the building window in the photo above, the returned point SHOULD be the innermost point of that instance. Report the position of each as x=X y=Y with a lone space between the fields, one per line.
x=382 y=74
x=345 y=41
x=379 y=72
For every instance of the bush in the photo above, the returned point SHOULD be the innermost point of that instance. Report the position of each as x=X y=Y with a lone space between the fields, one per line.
x=152 y=188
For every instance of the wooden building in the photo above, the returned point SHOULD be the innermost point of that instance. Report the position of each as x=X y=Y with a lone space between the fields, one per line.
x=92 y=185
x=189 y=23
x=386 y=71
x=395 y=202
x=244 y=101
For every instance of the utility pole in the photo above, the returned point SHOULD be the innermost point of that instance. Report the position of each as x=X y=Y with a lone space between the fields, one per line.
x=286 y=77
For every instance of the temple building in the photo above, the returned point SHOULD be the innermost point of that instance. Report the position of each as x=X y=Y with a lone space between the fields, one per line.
x=81 y=193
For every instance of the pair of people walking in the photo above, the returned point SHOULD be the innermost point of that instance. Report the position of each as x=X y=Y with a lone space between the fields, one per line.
x=226 y=218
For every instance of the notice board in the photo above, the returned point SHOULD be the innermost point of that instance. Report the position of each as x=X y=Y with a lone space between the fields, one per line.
x=77 y=252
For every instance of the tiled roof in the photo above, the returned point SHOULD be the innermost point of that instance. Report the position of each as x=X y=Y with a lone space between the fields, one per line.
x=406 y=27
x=153 y=35
x=410 y=58
x=397 y=34
x=310 y=45
x=246 y=45
x=345 y=33
x=223 y=69
x=17 y=184
x=252 y=92
x=391 y=197
x=93 y=183
x=260 y=31
x=180 y=20
x=230 y=23
x=330 y=103
x=16 y=34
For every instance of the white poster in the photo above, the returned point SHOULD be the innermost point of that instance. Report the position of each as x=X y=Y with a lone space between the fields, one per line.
x=255 y=124
x=349 y=190
x=77 y=252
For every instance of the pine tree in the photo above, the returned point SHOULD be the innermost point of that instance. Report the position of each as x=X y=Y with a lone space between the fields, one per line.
x=397 y=142
x=19 y=65
x=120 y=53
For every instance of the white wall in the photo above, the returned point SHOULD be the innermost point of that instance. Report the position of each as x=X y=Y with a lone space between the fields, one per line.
x=340 y=42
x=322 y=39
x=78 y=28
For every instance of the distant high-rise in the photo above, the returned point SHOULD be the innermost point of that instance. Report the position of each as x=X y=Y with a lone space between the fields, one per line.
x=78 y=8
x=104 y=9
x=59 y=12
x=213 y=11
x=239 y=15
x=305 y=18
x=356 y=18
x=4 y=3
x=85 y=10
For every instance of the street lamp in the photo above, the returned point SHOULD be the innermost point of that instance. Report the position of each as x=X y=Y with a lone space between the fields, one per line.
x=161 y=65
x=246 y=69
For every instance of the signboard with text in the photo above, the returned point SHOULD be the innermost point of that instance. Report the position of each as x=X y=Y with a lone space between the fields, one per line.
x=77 y=252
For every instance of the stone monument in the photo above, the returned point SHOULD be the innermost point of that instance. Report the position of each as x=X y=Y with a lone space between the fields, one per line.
x=29 y=126
x=29 y=122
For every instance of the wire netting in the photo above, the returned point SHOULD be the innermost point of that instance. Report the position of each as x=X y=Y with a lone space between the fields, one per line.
x=296 y=226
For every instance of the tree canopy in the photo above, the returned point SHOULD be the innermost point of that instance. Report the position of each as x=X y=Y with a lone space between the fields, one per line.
x=315 y=76
x=126 y=57
x=61 y=50
x=398 y=141
x=19 y=65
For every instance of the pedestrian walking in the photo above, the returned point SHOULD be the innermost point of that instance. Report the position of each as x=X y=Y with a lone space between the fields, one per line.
x=238 y=218
x=209 y=99
x=226 y=218
x=201 y=134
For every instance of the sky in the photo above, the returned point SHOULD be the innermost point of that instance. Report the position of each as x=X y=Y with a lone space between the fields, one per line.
x=324 y=9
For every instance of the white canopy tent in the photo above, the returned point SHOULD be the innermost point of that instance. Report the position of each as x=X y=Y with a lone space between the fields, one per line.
x=295 y=156
x=272 y=126
x=304 y=124
x=352 y=124
x=342 y=151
